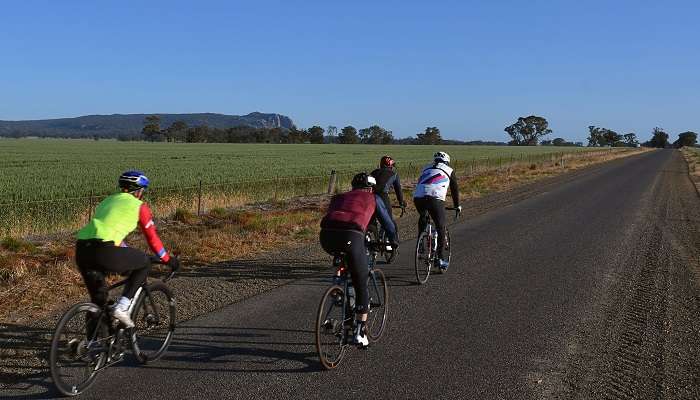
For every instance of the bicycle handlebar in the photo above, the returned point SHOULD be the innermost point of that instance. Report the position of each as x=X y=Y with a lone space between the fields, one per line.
x=157 y=260
x=403 y=210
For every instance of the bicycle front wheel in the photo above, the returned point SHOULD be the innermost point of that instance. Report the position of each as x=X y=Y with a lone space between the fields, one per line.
x=447 y=252
x=332 y=327
x=378 y=304
x=423 y=259
x=389 y=255
x=78 y=348
x=154 y=320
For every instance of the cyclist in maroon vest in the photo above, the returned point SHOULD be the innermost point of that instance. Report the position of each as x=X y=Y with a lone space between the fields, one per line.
x=343 y=230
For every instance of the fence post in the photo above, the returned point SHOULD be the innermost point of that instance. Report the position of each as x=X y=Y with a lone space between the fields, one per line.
x=331 y=182
x=92 y=205
x=199 y=199
x=277 y=185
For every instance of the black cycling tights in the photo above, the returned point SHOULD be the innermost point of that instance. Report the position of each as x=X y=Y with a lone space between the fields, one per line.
x=436 y=208
x=352 y=243
x=95 y=259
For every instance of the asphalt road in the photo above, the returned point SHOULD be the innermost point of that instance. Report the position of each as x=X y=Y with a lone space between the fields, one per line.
x=589 y=290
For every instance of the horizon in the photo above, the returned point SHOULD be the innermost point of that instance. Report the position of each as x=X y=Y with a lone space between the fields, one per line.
x=469 y=69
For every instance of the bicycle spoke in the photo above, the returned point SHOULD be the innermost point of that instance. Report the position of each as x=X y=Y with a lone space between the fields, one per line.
x=77 y=348
x=331 y=323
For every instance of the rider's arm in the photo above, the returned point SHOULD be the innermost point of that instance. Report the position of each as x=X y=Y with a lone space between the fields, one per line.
x=397 y=189
x=148 y=228
x=454 y=189
x=384 y=218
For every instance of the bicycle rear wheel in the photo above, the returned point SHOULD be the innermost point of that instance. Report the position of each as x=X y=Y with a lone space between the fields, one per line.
x=378 y=304
x=332 y=326
x=78 y=348
x=154 y=320
x=424 y=257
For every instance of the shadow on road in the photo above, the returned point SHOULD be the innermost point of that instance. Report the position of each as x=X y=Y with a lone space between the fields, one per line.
x=23 y=365
x=258 y=269
x=241 y=349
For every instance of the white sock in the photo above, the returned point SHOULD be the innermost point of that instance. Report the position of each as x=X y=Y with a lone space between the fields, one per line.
x=123 y=303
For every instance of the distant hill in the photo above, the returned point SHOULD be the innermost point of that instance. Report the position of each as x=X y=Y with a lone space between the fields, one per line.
x=109 y=126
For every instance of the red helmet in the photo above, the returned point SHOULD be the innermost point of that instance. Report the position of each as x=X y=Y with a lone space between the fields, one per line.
x=386 y=161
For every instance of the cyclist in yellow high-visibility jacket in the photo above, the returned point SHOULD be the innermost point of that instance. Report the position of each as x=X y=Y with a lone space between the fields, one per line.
x=101 y=250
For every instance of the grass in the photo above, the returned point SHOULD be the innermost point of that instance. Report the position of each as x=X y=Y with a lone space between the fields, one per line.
x=32 y=202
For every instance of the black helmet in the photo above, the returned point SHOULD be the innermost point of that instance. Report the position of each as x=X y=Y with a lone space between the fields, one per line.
x=362 y=180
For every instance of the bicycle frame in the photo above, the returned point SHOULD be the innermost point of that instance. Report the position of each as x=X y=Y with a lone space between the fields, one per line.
x=347 y=314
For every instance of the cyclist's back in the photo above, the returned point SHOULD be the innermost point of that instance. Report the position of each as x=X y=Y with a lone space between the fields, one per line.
x=343 y=230
x=100 y=248
x=430 y=194
x=387 y=179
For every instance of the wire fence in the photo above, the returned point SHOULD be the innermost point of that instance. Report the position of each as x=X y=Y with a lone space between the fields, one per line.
x=41 y=217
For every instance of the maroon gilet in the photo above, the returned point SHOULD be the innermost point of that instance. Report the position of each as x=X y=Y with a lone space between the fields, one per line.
x=350 y=210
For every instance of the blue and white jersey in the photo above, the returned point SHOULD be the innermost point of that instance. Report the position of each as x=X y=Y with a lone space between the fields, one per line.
x=434 y=181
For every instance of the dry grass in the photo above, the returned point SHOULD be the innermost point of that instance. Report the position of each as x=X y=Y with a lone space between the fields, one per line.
x=692 y=157
x=38 y=277
x=512 y=176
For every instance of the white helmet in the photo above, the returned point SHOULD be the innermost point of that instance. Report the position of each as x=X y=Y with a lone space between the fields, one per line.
x=442 y=157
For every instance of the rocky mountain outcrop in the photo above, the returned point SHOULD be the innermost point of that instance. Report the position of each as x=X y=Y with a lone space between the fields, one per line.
x=129 y=124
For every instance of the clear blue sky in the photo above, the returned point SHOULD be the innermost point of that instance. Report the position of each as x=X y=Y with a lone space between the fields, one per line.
x=470 y=68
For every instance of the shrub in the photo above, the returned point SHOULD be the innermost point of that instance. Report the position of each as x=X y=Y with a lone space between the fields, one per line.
x=17 y=245
x=184 y=216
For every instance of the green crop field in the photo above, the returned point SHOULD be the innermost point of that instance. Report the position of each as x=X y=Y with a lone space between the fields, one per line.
x=68 y=176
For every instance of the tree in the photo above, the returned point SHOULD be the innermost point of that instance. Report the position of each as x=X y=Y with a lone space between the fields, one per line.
x=658 y=139
x=348 y=135
x=599 y=137
x=297 y=135
x=612 y=138
x=559 y=142
x=686 y=139
x=315 y=134
x=331 y=132
x=528 y=130
x=430 y=136
x=151 y=128
x=630 y=139
x=375 y=134
x=176 y=131
x=364 y=134
x=197 y=134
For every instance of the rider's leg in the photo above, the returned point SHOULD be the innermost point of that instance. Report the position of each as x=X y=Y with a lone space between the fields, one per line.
x=124 y=261
x=420 y=203
x=93 y=277
x=352 y=243
x=436 y=208
x=359 y=271
x=387 y=202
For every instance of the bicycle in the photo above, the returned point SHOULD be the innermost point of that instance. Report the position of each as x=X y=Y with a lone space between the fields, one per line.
x=335 y=322
x=88 y=340
x=426 y=250
x=385 y=249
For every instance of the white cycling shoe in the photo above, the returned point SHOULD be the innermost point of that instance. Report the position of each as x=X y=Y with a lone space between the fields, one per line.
x=360 y=339
x=120 y=312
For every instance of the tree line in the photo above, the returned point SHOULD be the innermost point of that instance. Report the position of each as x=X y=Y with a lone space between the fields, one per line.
x=526 y=131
